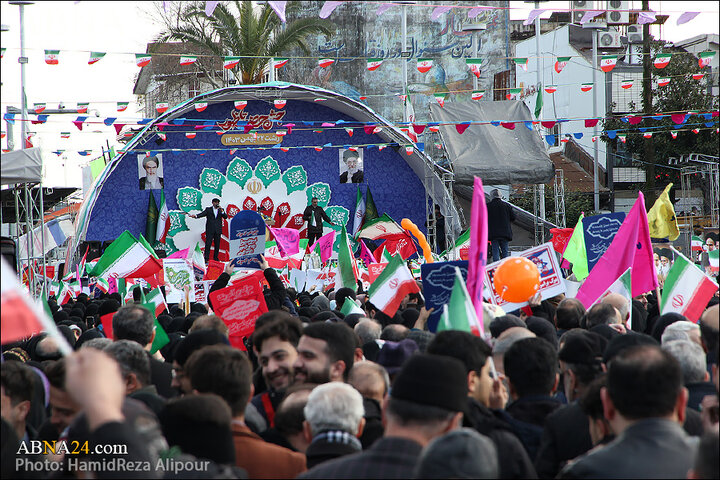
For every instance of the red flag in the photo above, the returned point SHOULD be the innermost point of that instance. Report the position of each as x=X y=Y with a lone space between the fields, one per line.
x=561 y=237
x=478 y=251
x=401 y=243
x=106 y=321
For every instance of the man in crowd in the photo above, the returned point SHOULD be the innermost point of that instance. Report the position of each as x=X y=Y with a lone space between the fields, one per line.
x=325 y=353
x=136 y=323
x=566 y=432
x=227 y=372
x=485 y=393
x=135 y=368
x=531 y=369
x=275 y=344
x=373 y=383
x=333 y=422
x=644 y=401
x=16 y=392
x=426 y=401
x=696 y=378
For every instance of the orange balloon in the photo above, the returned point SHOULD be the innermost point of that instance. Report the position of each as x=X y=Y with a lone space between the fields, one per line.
x=408 y=225
x=516 y=279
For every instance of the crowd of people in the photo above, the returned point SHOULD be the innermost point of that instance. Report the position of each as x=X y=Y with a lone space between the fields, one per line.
x=563 y=393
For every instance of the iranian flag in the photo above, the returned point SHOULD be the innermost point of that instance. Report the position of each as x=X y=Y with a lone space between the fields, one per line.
x=197 y=260
x=687 y=289
x=440 y=98
x=279 y=62
x=696 y=244
x=240 y=104
x=374 y=63
x=128 y=257
x=381 y=255
x=279 y=102
x=561 y=63
x=698 y=76
x=39 y=107
x=122 y=106
x=608 y=62
x=51 y=57
x=142 y=59
x=704 y=58
x=163 y=220
x=550 y=88
x=521 y=62
x=462 y=246
x=103 y=285
x=391 y=286
x=459 y=313
x=275 y=260
x=95 y=57
x=477 y=94
x=359 y=211
x=162 y=107
x=623 y=286
x=713 y=259
x=188 y=60
x=662 y=60
x=325 y=62
x=622 y=137
x=424 y=64
x=379 y=227
x=474 y=65
x=54 y=288
x=512 y=93
x=82 y=107
x=347 y=272
x=200 y=106
x=626 y=84
x=230 y=62
x=64 y=295
x=663 y=82
x=586 y=87
x=156 y=298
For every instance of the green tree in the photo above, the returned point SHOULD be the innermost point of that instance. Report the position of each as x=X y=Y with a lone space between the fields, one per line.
x=683 y=94
x=245 y=30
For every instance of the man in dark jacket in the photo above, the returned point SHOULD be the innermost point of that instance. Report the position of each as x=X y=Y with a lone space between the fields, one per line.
x=531 y=368
x=314 y=215
x=476 y=356
x=213 y=227
x=567 y=434
x=500 y=214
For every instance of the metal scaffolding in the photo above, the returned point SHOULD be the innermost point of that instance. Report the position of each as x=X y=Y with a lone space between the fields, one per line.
x=559 y=191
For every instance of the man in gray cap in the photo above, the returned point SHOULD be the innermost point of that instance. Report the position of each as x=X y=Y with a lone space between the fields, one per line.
x=426 y=401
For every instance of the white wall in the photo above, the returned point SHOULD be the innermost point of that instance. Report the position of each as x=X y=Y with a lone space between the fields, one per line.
x=568 y=101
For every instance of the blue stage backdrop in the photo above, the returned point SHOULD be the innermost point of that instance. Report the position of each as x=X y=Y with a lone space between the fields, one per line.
x=247 y=170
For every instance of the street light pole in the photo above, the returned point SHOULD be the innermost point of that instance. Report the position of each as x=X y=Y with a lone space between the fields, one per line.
x=475 y=29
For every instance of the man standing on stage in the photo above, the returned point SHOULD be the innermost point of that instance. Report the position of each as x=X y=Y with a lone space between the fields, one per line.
x=213 y=227
x=315 y=215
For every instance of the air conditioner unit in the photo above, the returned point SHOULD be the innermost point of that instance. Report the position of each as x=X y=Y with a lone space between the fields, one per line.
x=618 y=12
x=635 y=33
x=609 y=39
x=578 y=9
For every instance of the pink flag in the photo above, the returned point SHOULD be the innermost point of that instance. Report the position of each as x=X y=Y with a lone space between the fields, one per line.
x=287 y=240
x=180 y=253
x=478 y=250
x=631 y=247
x=325 y=244
x=365 y=254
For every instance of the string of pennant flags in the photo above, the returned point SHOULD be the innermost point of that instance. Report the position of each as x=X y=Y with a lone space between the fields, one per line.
x=551 y=139
x=423 y=64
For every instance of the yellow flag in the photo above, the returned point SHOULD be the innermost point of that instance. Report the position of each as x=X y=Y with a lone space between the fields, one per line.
x=661 y=218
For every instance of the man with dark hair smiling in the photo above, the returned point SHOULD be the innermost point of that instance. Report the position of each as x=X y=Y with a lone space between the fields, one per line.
x=644 y=402
x=325 y=353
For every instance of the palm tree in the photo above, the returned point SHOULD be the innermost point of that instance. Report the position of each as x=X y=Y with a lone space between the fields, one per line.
x=256 y=37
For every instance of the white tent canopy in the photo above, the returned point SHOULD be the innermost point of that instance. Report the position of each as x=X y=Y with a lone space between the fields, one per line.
x=21 y=166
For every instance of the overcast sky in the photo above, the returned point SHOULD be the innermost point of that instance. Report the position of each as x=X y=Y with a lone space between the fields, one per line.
x=125 y=27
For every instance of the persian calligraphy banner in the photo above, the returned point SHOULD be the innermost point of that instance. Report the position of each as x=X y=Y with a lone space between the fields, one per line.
x=247 y=239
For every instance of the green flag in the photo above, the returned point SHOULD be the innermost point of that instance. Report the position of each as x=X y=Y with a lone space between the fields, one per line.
x=152 y=218
x=539 y=102
x=97 y=166
x=459 y=313
x=575 y=252
x=371 y=212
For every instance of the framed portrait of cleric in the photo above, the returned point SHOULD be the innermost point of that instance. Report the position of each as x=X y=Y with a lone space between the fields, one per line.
x=351 y=166
x=150 y=172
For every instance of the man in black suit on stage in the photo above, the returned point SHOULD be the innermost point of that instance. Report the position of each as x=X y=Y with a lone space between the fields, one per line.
x=213 y=227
